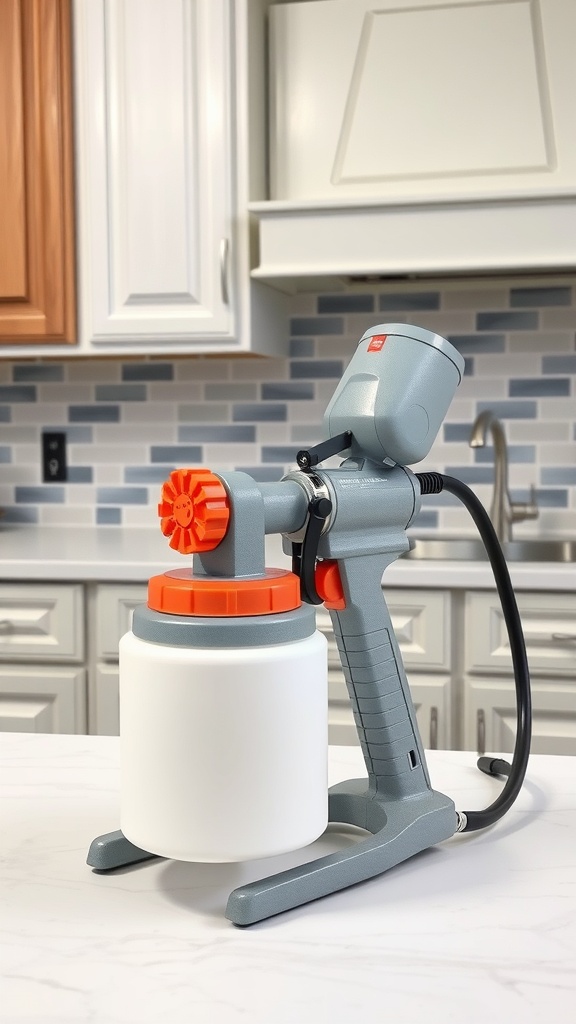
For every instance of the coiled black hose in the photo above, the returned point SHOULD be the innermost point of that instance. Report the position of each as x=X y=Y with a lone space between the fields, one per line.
x=433 y=483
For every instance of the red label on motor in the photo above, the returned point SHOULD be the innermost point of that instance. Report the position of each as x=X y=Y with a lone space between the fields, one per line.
x=377 y=342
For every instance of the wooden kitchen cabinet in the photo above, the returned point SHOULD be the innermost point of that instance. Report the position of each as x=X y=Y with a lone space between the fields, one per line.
x=42 y=648
x=37 y=246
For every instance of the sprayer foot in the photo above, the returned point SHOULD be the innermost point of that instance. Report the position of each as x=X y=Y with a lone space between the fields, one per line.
x=113 y=850
x=411 y=826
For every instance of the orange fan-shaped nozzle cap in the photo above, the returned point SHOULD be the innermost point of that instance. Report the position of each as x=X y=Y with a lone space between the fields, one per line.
x=194 y=510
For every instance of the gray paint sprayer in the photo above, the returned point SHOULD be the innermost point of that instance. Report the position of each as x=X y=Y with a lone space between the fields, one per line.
x=223 y=677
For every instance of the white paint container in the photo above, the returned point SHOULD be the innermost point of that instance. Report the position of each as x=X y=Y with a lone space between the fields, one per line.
x=223 y=749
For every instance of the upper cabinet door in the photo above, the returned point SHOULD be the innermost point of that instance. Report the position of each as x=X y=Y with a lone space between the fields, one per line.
x=421 y=100
x=37 y=300
x=154 y=172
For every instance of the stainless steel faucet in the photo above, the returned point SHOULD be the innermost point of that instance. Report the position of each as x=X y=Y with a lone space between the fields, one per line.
x=503 y=511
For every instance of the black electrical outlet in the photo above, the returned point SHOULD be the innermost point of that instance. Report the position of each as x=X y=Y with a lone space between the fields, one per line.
x=54 y=468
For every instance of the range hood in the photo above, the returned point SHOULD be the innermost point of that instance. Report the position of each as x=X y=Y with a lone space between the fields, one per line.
x=421 y=138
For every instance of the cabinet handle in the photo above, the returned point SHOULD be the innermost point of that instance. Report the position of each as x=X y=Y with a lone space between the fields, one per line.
x=6 y=627
x=481 y=731
x=433 y=728
x=224 y=254
x=564 y=636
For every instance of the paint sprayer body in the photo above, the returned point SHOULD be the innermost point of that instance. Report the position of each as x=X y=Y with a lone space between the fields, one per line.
x=223 y=676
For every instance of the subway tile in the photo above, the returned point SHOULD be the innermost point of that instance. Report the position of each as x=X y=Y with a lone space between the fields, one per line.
x=203 y=412
x=558 y=318
x=536 y=297
x=559 y=364
x=316 y=368
x=468 y=366
x=551 y=497
x=39 y=413
x=510 y=409
x=147 y=371
x=18 y=393
x=537 y=431
x=93 y=371
x=80 y=494
x=259 y=369
x=408 y=301
x=50 y=494
x=94 y=414
x=284 y=454
x=20 y=516
x=67 y=515
x=507 y=321
x=121 y=393
x=216 y=434
x=194 y=369
x=80 y=474
x=272 y=432
x=175 y=454
x=556 y=454
x=109 y=516
x=516 y=453
x=229 y=456
x=66 y=393
x=349 y=304
x=541 y=341
x=472 y=343
x=476 y=387
x=5 y=414
x=263 y=474
x=149 y=474
x=288 y=391
x=306 y=412
x=457 y=432
x=167 y=393
x=258 y=411
x=474 y=298
x=5 y=453
x=133 y=434
x=339 y=348
x=312 y=325
x=150 y=412
x=138 y=516
x=300 y=347
x=122 y=495
x=29 y=372
x=304 y=434
x=110 y=475
x=560 y=475
x=556 y=408
x=539 y=387
x=229 y=391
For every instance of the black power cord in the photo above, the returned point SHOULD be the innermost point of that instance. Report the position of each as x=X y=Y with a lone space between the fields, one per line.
x=433 y=483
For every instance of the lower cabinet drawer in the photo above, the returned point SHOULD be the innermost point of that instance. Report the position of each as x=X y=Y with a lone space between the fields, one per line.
x=42 y=699
x=549 y=627
x=41 y=622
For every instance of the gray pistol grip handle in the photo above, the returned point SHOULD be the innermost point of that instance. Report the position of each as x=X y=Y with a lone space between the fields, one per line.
x=381 y=700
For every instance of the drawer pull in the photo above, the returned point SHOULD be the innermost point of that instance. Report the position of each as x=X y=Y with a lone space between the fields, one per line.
x=6 y=627
x=564 y=636
x=481 y=731
x=433 y=728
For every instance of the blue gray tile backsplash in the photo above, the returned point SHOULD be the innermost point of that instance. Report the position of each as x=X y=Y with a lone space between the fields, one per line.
x=129 y=422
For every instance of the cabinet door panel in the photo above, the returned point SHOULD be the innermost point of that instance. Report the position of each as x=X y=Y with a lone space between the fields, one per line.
x=41 y=622
x=548 y=623
x=114 y=607
x=38 y=699
x=37 y=278
x=490 y=717
x=386 y=130
x=104 y=702
x=153 y=115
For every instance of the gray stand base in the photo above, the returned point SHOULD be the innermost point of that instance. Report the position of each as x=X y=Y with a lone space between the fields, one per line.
x=399 y=830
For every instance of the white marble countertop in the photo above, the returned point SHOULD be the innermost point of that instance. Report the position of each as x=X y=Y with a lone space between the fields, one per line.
x=481 y=929
x=132 y=555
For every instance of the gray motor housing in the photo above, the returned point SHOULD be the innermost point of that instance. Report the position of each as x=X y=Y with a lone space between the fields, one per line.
x=395 y=393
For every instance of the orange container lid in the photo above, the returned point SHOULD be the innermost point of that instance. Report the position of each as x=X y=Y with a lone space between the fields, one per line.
x=179 y=592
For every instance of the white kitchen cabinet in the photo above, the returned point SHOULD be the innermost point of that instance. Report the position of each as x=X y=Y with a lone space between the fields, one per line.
x=42 y=686
x=490 y=716
x=489 y=703
x=113 y=605
x=412 y=99
x=422 y=624
x=39 y=698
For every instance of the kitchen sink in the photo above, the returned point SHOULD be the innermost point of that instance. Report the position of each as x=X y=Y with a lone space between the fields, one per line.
x=472 y=549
